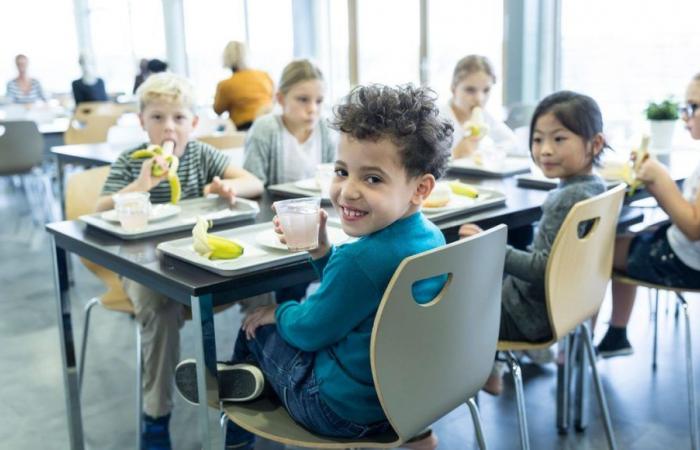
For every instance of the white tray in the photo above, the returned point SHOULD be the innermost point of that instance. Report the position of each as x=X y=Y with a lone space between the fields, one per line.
x=512 y=165
x=533 y=181
x=212 y=207
x=258 y=252
x=301 y=188
x=460 y=205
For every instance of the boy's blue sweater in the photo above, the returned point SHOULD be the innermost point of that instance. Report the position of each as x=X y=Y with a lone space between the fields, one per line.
x=336 y=321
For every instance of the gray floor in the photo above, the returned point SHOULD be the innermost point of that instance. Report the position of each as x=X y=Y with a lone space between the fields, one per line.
x=649 y=410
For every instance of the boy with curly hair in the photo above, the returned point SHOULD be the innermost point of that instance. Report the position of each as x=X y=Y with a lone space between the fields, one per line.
x=315 y=355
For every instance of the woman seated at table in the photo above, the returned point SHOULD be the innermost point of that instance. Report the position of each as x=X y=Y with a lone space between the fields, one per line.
x=88 y=88
x=23 y=89
x=247 y=93
x=472 y=80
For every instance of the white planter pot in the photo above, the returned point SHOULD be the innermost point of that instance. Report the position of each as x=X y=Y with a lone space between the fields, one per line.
x=661 y=135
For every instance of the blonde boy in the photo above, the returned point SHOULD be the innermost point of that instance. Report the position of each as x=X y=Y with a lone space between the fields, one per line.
x=167 y=114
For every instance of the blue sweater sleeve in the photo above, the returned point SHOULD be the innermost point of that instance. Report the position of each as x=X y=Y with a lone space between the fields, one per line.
x=342 y=302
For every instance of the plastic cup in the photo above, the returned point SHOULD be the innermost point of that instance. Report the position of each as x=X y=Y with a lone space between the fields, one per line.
x=324 y=178
x=299 y=220
x=133 y=209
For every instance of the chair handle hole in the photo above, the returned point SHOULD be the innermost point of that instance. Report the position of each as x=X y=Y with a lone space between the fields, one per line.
x=428 y=291
x=586 y=227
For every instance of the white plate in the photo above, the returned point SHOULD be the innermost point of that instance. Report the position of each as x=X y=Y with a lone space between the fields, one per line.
x=269 y=239
x=159 y=212
x=456 y=201
x=308 y=184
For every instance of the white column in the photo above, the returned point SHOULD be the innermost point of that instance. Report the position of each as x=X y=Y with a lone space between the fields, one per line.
x=176 y=49
x=82 y=26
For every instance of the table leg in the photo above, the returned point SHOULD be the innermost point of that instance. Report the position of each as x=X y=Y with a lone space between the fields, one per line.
x=207 y=381
x=65 y=328
x=61 y=187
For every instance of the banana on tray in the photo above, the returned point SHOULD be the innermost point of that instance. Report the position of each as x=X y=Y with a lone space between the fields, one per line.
x=157 y=171
x=211 y=246
x=464 y=189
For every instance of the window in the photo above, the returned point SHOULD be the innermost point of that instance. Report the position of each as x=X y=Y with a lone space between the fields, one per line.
x=209 y=26
x=625 y=63
x=334 y=50
x=271 y=36
x=458 y=29
x=123 y=33
x=389 y=41
x=45 y=32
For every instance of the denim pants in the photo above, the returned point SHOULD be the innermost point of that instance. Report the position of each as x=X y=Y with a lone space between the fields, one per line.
x=289 y=372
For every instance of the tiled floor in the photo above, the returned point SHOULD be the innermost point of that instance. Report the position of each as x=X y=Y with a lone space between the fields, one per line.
x=649 y=410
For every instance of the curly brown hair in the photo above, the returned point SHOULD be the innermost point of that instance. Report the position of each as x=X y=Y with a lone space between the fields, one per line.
x=407 y=115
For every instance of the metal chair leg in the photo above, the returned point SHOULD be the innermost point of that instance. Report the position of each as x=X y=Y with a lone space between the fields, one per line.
x=520 y=398
x=690 y=374
x=588 y=344
x=83 y=343
x=224 y=423
x=582 y=388
x=476 y=419
x=563 y=385
x=656 y=332
x=139 y=388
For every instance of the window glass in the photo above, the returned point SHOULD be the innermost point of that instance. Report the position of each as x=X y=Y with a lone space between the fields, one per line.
x=270 y=28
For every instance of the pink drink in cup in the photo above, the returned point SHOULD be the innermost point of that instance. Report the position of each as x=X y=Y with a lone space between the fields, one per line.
x=299 y=220
x=133 y=209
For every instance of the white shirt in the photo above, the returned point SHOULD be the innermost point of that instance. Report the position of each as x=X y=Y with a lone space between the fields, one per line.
x=502 y=136
x=687 y=251
x=300 y=159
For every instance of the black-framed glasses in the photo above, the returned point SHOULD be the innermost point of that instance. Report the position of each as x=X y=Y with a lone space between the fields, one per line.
x=689 y=109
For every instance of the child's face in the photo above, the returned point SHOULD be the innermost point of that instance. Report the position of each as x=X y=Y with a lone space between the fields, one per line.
x=164 y=120
x=692 y=97
x=301 y=105
x=559 y=152
x=371 y=189
x=473 y=90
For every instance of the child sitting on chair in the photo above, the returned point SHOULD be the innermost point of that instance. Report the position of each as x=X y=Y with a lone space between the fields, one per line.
x=315 y=354
x=668 y=255
x=566 y=138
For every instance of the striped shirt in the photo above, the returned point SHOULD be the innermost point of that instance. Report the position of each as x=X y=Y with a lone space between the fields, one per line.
x=198 y=166
x=17 y=95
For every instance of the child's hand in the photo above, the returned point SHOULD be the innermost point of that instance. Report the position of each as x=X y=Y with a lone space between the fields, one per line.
x=264 y=315
x=217 y=186
x=651 y=171
x=146 y=179
x=469 y=229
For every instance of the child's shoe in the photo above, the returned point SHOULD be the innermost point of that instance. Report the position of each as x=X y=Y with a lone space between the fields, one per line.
x=155 y=434
x=424 y=441
x=237 y=382
x=614 y=343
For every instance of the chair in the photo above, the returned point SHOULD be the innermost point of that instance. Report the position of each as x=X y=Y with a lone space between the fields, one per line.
x=92 y=130
x=224 y=141
x=576 y=278
x=22 y=153
x=440 y=352
x=690 y=373
x=87 y=110
x=82 y=192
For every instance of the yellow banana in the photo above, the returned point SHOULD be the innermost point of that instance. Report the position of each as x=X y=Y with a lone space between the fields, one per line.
x=173 y=179
x=464 y=189
x=143 y=153
x=629 y=171
x=476 y=126
x=211 y=246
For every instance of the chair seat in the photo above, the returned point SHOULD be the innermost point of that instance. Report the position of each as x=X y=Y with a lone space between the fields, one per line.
x=626 y=279
x=270 y=420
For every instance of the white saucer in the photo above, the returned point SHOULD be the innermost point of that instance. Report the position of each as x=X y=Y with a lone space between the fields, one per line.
x=269 y=239
x=159 y=212
x=456 y=201
x=308 y=184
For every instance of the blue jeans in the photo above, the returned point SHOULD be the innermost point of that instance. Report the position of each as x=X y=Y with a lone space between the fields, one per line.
x=289 y=372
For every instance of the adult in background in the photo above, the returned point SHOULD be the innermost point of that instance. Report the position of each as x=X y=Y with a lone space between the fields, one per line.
x=155 y=66
x=142 y=75
x=24 y=89
x=88 y=88
x=247 y=93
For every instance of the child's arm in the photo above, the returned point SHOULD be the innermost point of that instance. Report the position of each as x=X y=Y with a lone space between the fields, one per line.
x=528 y=266
x=683 y=214
x=235 y=181
x=144 y=183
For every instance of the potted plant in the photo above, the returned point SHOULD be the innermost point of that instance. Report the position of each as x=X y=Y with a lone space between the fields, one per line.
x=662 y=118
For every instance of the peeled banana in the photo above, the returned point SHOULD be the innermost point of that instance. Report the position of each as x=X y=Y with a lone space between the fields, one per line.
x=211 y=246
x=629 y=171
x=476 y=126
x=157 y=171
x=464 y=189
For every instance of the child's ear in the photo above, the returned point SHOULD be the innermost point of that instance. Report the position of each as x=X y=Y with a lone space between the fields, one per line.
x=195 y=121
x=426 y=184
x=597 y=143
x=141 y=120
x=280 y=99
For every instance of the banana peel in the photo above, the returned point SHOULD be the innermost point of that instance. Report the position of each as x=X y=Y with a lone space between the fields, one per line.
x=211 y=246
x=464 y=189
x=157 y=171
x=476 y=126
x=629 y=171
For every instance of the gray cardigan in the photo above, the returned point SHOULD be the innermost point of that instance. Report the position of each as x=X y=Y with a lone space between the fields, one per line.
x=523 y=294
x=263 y=148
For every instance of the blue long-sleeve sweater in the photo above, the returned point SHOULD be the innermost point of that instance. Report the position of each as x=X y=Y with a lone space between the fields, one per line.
x=336 y=321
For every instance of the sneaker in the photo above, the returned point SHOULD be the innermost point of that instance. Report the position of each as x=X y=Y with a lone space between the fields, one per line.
x=614 y=344
x=237 y=382
x=155 y=434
